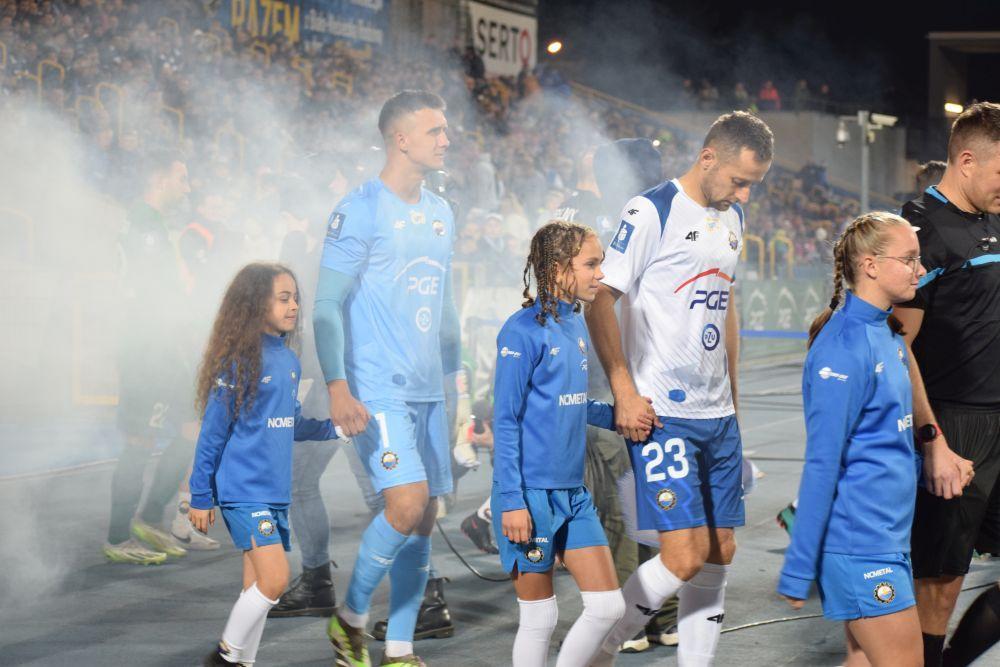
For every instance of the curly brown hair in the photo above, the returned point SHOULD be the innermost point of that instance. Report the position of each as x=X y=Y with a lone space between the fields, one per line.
x=233 y=354
x=553 y=248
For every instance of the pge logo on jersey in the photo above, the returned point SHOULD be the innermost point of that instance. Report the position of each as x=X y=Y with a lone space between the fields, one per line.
x=622 y=237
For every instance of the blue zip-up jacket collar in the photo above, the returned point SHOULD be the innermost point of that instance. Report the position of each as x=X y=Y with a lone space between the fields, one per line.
x=859 y=481
x=541 y=409
x=249 y=460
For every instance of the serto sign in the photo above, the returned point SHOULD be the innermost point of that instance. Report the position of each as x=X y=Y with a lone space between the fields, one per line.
x=504 y=40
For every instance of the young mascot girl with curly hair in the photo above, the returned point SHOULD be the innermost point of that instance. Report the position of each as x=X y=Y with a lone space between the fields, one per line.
x=541 y=508
x=247 y=388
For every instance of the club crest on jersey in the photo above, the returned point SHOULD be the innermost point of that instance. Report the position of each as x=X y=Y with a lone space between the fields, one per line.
x=265 y=527
x=334 y=226
x=734 y=244
x=534 y=554
x=582 y=344
x=622 y=237
x=389 y=460
x=438 y=227
x=710 y=337
x=417 y=217
x=901 y=359
x=423 y=319
x=884 y=592
x=666 y=499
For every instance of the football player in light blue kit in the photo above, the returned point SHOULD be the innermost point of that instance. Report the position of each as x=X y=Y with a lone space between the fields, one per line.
x=387 y=334
x=859 y=483
x=541 y=508
x=248 y=386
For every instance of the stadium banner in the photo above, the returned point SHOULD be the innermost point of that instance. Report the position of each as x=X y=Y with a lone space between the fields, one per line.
x=775 y=314
x=310 y=23
x=505 y=40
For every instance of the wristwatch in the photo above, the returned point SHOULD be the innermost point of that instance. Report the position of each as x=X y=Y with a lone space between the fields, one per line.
x=928 y=433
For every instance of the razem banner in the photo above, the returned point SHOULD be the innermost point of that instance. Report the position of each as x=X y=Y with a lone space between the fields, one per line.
x=312 y=23
x=506 y=41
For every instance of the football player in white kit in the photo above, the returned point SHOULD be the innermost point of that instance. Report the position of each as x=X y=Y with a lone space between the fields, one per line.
x=673 y=264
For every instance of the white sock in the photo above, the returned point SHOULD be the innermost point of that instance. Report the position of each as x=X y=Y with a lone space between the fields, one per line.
x=700 y=616
x=249 y=654
x=601 y=610
x=397 y=649
x=484 y=512
x=645 y=591
x=352 y=618
x=250 y=609
x=538 y=620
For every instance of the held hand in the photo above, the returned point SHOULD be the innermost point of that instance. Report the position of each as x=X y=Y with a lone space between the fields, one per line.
x=794 y=603
x=201 y=519
x=346 y=411
x=945 y=472
x=517 y=526
x=633 y=416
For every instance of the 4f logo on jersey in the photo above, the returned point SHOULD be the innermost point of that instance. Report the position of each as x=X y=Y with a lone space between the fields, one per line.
x=622 y=237
x=426 y=286
x=714 y=300
x=334 y=226
x=692 y=235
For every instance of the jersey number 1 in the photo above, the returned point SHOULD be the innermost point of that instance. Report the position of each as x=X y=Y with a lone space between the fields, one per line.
x=677 y=471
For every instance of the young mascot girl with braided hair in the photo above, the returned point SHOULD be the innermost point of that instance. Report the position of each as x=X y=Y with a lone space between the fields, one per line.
x=859 y=483
x=540 y=507
x=248 y=386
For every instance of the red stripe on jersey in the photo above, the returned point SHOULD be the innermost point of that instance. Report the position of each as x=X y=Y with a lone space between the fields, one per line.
x=710 y=272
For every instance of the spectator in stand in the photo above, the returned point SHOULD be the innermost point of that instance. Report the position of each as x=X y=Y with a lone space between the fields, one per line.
x=801 y=97
x=768 y=97
x=741 y=97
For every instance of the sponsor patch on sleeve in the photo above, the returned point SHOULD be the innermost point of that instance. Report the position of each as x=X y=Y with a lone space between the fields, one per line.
x=622 y=237
x=335 y=224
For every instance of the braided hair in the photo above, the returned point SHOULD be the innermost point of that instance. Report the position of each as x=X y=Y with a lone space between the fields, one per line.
x=553 y=248
x=864 y=236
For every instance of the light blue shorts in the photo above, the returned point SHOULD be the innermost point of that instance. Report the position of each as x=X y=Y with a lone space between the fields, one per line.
x=853 y=587
x=252 y=524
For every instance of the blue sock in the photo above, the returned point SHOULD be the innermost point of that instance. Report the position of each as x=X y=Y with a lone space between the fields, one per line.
x=407 y=581
x=380 y=544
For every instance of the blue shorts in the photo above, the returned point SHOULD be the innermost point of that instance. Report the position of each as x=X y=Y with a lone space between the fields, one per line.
x=563 y=520
x=853 y=587
x=252 y=524
x=688 y=474
x=406 y=443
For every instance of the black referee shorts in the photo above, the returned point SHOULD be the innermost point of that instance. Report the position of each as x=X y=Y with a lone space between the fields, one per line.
x=945 y=532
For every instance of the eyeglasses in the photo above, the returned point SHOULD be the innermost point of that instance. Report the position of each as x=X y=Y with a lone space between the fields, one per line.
x=913 y=263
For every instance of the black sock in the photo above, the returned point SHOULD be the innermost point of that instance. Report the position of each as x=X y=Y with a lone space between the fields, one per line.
x=932 y=650
x=126 y=489
x=978 y=630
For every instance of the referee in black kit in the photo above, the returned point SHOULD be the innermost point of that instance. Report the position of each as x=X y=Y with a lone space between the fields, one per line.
x=953 y=327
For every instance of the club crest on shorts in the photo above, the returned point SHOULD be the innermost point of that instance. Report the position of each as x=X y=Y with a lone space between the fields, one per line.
x=265 y=527
x=534 y=554
x=884 y=592
x=666 y=499
x=389 y=460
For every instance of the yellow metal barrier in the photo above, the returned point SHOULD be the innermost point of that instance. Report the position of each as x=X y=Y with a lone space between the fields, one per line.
x=789 y=254
x=241 y=141
x=50 y=64
x=29 y=232
x=758 y=242
x=170 y=23
x=119 y=102
x=262 y=48
x=92 y=101
x=344 y=81
x=38 y=82
x=177 y=113
x=3 y=50
x=304 y=67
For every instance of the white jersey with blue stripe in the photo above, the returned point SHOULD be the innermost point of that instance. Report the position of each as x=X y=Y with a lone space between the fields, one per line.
x=400 y=254
x=674 y=261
